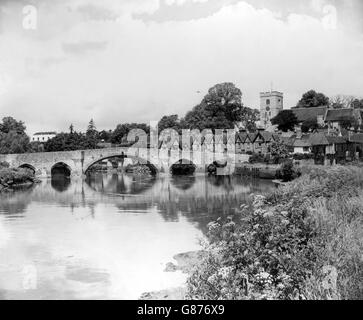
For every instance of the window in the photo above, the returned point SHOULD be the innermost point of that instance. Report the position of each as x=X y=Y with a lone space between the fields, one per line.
x=306 y=149
x=268 y=101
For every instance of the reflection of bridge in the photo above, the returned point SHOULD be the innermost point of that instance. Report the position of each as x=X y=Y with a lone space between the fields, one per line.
x=79 y=161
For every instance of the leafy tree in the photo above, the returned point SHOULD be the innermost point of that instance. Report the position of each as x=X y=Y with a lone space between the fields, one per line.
x=91 y=129
x=10 y=124
x=170 y=122
x=313 y=99
x=310 y=124
x=105 y=135
x=221 y=108
x=13 y=138
x=12 y=142
x=69 y=142
x=285 y=120
x=119 y=135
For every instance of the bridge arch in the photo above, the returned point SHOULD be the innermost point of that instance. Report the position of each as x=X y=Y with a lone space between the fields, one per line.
x=183 y=167
x=61 y=168
x=154 y=168
x=28 y=167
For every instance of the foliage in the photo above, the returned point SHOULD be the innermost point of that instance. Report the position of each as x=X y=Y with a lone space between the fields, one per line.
x=278 y=150
x=288 y=171
x=309 y=125
x=13 y=138
x=69 y=142
x=170 y=122
x=285 y=120
x=313 y=99
x=4 y=164
x=10 y=177
x=257 y=158
x=119 y=135
x=303 y=156
x=303 y=241
x=221 y=108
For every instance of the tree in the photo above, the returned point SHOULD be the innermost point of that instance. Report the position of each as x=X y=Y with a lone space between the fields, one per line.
x=10 y=124
x=69 y=142
x=12 y=142
x=249 y=118
x=169 y=122
x=310 y=124
x=91 y=129
x=13 y=138
x=119 y=135
x=313 y=99
x=105 y=136
x=221 y=108
x=285 y=120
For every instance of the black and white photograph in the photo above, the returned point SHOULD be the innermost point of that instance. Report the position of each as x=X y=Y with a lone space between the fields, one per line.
x=181 y=150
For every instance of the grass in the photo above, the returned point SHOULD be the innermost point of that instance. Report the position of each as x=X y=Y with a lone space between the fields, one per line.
x=302 y=241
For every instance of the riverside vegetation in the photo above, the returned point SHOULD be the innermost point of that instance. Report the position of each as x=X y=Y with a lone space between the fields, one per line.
x=302 y=241
x=13 y=177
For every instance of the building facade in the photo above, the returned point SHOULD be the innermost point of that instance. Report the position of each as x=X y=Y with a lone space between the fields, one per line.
x=43 y=136
x=271 y=103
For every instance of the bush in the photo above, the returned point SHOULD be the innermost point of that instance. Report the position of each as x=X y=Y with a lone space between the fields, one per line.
x=296 y=243
x=13 y=177
x=4 y=164
x=257 y=158
x=303 y=156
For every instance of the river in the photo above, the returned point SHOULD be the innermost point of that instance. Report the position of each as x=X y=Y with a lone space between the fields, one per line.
x=109 y=236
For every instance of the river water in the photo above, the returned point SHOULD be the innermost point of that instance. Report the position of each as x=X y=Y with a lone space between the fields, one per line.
x=110 y=236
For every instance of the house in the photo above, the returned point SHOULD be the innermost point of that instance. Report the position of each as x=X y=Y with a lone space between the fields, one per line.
x=336 y=118
x=241 y=138
x=301 y=144
x=262 y=140
x=356 y=142
x=43 y=136
x=310 y=114
x=328 y=148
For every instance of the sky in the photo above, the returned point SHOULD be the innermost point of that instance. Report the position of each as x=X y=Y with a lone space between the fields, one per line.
x=67 y=61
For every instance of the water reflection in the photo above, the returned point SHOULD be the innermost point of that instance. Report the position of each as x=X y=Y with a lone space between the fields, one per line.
x=110 y=235
x=60 y=182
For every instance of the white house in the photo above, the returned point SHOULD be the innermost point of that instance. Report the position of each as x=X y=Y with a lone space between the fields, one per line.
x=43 y=136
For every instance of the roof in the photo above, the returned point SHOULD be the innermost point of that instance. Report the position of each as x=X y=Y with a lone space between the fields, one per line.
x=320 y=139
x=357 y=137
x=304 y=114
x=302 y=142
x=44 y=133
x=340 y=115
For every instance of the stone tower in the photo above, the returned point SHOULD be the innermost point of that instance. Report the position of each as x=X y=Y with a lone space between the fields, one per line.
x=271 y=104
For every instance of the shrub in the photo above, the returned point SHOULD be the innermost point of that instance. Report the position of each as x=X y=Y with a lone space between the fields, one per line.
x=296 y=243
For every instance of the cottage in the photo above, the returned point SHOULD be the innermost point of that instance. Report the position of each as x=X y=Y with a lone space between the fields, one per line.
x=327 y=148
x=310 y=114
x=356 y=142
x=262 y=141
x=343 y=118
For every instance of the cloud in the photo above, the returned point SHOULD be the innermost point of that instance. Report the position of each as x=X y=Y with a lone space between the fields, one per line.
x=97 y=13
x=74 y=68
x=83 y=47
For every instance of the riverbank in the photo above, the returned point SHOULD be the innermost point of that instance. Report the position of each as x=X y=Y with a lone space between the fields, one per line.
x=12 y=178
x=185 y=262
x=302 y=241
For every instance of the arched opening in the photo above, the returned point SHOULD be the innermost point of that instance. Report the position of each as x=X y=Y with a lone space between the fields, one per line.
x=122 y=163
x=183 y=167
x=28 y=167
x=61 y=169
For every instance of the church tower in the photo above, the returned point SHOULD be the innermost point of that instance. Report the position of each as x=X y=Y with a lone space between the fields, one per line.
x=271 y=103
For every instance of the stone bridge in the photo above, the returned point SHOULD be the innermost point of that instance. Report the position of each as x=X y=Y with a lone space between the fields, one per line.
x=79 y=162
